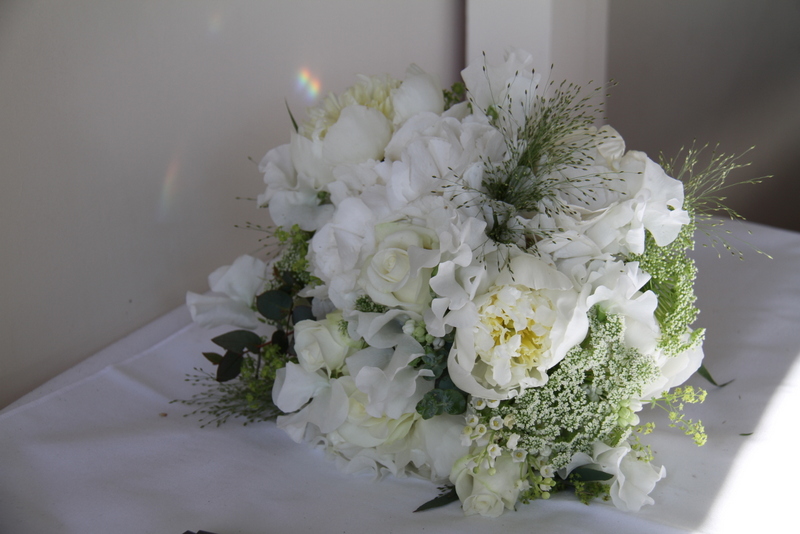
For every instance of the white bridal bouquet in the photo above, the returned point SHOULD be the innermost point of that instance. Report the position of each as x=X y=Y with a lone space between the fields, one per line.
x=476 y=286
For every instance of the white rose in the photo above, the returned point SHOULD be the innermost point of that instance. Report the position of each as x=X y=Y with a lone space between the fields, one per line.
x=397 y=275
x=486 y=494
x=366 y=430
x=322 y=344
x=527 y=322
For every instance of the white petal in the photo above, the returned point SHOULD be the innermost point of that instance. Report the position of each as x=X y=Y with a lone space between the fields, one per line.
x=360 y=134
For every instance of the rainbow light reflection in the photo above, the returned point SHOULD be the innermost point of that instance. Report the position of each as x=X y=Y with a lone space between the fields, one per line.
x=169 y=187
x=308 y=84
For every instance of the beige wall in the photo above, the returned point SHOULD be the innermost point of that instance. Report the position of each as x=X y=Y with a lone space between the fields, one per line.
x=724 y=71
x=125 y=133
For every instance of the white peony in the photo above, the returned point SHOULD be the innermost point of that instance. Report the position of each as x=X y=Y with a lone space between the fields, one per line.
x=527 y=322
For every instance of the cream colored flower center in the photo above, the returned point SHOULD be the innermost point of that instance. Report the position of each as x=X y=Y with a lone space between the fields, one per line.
x=370 y=91
x=516 y=327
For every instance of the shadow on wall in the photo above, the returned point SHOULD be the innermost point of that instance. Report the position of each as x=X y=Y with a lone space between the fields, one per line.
x=718 y=71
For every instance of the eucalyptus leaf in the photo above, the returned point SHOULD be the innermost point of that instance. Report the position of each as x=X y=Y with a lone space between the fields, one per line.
x=441 y=500
x=239 y=341
x=439 y=401
x=280 y=339
x=213 y=357
x=302 y=313
x=289 y=281
x=274 y=304
x=230 y=366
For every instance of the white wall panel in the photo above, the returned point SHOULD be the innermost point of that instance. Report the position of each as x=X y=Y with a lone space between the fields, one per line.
x=125 y=133
x=570 y=35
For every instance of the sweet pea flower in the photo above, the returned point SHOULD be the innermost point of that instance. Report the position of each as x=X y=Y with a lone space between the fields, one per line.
x=633 y=479
x=233 y=292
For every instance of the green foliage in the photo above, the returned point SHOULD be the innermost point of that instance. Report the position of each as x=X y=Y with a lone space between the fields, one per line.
x=365 y=304
x=275 y=305
x=447 y=494
x=705 y=187
x=540 y=487
x=293 y=266
x=441 y=401
x=239 y=341
x=556 y=134
x=586 y=491
x=672 y=274
x=455 y=95
x=245 y=374
x=673 y=403
x=703 y=371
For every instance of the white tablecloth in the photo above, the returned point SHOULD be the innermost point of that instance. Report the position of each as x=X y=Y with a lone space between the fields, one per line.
x=100 y=449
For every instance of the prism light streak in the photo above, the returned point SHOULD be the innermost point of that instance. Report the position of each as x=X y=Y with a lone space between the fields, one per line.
x=308 y=84
x=169 y=186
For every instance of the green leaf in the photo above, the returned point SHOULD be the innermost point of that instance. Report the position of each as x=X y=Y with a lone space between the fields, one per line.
x=289 y=281
x=439 y=401
x=446 y=382
x=280 y=339
x=229 y=367
x=705 y=374
x=213 y=357
x=428 y=407
x=274 y=304
x=747 y=434
x=239 y=341
x=441 y=500
x=587 y=474
x=302 y=313
x=455 y=401
x=294 y=123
